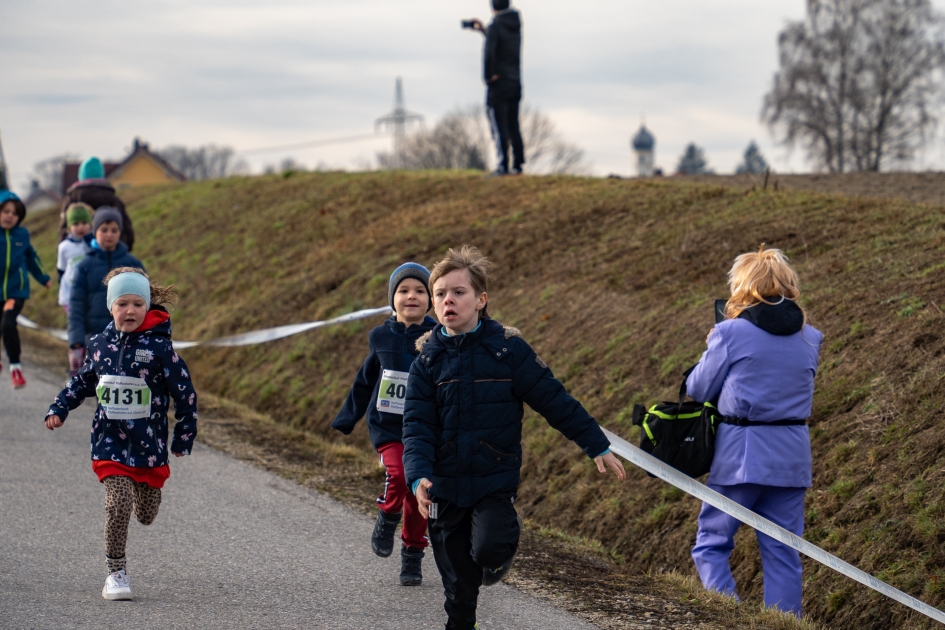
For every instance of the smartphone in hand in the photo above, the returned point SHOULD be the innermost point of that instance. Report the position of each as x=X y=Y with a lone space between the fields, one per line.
x=720 y=310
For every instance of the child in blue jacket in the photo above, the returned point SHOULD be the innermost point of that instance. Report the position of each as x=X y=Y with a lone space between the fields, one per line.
x=88 y=312
x=134 y=373
x=17 y=258
x=463 y=431
x=379 y=389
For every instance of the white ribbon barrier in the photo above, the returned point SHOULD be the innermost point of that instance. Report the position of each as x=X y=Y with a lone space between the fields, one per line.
x=690 y=486
x=245 y=339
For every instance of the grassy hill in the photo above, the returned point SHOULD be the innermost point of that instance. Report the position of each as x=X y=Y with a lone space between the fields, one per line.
x=612 y=282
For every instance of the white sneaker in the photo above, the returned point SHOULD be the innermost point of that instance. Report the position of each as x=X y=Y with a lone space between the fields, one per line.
x=117 y=586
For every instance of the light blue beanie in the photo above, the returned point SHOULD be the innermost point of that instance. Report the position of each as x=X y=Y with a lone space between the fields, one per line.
x=91 y=168
x=128 y=283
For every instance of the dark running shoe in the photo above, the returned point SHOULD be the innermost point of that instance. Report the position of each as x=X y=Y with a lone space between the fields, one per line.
x=496 y=173
x=410 y=573
x=382 y=540
x=494 y=576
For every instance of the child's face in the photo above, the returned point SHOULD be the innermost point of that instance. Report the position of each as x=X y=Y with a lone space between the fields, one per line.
x=107 y=236
x=128 y=312
x=456 y=304
x=411 y=301
x=79 y=229
x=8 y=216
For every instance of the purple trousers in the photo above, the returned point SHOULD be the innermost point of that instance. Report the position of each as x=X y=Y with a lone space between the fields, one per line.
x=780 y=563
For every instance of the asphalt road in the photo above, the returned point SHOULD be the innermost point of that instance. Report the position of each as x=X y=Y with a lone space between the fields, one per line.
x=232 y=547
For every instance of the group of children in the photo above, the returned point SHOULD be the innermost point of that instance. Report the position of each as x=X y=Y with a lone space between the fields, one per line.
x=444 y=404
x=91 y=250
x=444 y=401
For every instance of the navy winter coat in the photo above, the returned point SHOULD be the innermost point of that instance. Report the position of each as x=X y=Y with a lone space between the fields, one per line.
x=17 y=258
x=149 y=355
x=88 y=305
x=463 y=413
x=392 y=346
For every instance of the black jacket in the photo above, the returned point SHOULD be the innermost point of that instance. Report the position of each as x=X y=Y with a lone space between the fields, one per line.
x=463 y=413
x=503 y=50
x=392 y=346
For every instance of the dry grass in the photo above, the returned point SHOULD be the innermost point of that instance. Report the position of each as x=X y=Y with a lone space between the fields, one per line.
x=612 y=282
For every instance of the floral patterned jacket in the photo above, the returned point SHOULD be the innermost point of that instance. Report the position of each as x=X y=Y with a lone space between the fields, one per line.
x=147 y=354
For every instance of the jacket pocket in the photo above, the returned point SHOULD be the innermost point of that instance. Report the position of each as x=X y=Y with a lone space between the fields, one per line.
x=497 y=457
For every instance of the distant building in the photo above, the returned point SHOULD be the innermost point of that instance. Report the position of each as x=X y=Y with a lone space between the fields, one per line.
x=644 y=145
x=41 y=199
x=141 y=167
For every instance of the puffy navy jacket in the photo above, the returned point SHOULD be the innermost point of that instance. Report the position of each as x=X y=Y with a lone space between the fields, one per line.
x=149 y=355
x=463 y=413
x=392 y=347
x=88 y=305
x=17 y=257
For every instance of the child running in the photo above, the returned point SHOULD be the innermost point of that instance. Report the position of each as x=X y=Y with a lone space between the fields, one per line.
x=71 y=251
x=88 y=310
x=379 y=389
x=17 y=258
x=134 y=372
x=463 y=431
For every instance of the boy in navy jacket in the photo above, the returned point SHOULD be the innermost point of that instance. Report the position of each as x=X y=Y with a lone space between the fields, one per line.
x=379 y=389
x=463 y=431
x=17 y=259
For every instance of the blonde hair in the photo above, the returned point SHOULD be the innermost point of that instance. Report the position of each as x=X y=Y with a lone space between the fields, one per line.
x=159 y=295
x=471 y=259
x=763 y=276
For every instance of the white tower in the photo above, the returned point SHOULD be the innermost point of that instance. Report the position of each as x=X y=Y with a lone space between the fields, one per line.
x=644 y=145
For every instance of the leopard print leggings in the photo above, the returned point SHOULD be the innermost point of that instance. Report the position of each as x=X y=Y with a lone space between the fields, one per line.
x=122 y=496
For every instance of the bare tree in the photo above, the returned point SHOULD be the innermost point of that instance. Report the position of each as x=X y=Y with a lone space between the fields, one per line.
x=48 y=172
x=206 y=162
x=857 y=82
x=461 y=140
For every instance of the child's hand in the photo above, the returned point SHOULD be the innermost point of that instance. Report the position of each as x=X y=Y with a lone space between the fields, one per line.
x=710 y=334
x=53 y=422
x=611 y=461
x=48 y=284
x=423 y=499
x=178 y=454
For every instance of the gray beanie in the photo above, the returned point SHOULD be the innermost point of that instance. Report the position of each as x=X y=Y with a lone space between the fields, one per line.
x=104 y=215
x=409 y=270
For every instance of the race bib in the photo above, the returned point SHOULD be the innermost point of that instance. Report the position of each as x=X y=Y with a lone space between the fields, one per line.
x=392 y=392
x=124 y=397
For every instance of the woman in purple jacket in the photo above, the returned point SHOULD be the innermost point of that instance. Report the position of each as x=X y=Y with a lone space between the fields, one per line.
x=760 y=365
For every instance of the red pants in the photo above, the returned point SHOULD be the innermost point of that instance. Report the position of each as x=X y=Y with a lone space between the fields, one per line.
x=397 y=497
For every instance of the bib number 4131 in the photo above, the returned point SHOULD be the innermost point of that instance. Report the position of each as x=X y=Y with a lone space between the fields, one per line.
x=124 y=397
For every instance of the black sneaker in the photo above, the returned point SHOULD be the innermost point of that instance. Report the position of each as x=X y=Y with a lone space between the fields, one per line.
x=494 y=576
x=410 y=574
x=382 y=540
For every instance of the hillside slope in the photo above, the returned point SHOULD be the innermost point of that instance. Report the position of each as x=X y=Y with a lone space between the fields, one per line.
x=612 y=282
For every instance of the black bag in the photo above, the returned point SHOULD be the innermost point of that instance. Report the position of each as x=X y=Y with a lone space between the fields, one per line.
x=680 y=434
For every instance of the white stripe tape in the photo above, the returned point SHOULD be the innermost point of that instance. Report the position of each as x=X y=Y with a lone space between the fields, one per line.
x=245 y=339
x=672 y=476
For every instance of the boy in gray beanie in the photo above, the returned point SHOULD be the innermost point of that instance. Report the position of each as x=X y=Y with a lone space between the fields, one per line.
x=378 y=390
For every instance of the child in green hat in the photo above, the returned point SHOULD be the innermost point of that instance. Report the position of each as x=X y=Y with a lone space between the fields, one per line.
x=72 y=250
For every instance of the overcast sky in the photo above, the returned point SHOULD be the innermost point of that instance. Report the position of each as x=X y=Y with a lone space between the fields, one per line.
x=88 y=76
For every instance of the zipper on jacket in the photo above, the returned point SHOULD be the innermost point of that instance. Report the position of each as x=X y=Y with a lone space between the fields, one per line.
x=6 y=269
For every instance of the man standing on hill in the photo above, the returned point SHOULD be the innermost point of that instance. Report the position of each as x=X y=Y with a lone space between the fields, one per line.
x=502 y=71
